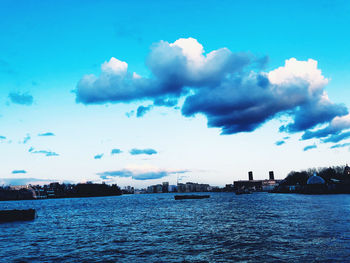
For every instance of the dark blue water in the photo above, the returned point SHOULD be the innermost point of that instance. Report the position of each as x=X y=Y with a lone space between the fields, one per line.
x=155 y=228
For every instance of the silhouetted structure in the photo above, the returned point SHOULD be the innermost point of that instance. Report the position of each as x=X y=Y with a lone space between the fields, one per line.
x=182 y=197
x=332 y=180
x=17 y=215
x=255 y=185
x=57 y=190
x=250 y=176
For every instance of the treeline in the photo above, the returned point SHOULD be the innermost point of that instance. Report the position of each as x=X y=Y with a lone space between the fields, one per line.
x=6 y=194
x=300 y=178
x=56 y=190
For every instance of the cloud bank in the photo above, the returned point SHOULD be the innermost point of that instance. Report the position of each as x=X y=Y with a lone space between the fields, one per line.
x=138 y=174
x=230 y=89
x=25 y=181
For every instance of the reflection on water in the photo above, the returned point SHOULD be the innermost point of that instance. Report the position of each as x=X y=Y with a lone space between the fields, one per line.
x=155 y=228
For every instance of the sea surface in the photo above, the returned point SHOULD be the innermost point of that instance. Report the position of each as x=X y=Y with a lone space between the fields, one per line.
x=259 y=227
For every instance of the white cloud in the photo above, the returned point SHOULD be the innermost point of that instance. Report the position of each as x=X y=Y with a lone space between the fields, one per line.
x=295 y=70
x=114 y=66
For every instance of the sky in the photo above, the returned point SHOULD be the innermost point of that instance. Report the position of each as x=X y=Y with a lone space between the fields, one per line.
x=139 y=92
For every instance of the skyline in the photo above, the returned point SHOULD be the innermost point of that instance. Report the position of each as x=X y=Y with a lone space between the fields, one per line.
x=138 y=93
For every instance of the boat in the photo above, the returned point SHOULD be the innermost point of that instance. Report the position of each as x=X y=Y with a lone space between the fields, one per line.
x=182 y=197
x=17 y=215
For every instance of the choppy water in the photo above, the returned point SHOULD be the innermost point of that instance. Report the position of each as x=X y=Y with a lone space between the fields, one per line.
x=155 y=228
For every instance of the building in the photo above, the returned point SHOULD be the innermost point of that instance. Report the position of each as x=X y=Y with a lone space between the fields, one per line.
x=165 y=187
x=257 y=185
x=192 y=187
x=347 y=170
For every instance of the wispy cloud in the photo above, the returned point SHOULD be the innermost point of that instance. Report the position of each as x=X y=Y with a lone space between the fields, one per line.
x=46 y=134
x=19 y=172
x=279 y=143
x=21 y=98
x=337 y=137
x=98 y=156
x=142 y=110
x=130 y=114
x=46 y=153
x=340 y=145
x=148 y=151
x=309 y=147
x=26 y=139
x=116 y=151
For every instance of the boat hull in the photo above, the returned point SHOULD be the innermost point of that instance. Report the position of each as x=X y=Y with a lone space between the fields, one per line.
x=182 y=197
x=17 y=215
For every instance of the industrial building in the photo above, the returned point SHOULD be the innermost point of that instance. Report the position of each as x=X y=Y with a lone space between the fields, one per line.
x=256 y=185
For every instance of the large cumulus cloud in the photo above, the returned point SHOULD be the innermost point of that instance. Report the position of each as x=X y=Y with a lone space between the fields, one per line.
x=230 y=89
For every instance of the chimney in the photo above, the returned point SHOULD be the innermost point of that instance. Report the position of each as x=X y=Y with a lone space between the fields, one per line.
x=271 y=175
x=250 y=176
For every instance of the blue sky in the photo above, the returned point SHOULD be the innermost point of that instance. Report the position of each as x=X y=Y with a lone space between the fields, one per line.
x=55 y=126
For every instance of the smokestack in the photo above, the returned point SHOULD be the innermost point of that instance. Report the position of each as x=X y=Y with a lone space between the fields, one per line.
x=271 y=175
x=250 y=176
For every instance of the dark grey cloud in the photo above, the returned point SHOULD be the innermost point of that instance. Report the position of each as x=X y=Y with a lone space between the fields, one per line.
x=148 y=175
x=98 y=156
x=19 y=172
x=46 y=134
x=309 y=147
x=340 y=145
x=337 y=137
x=116 y=151
x=148 y=151
x=230 y=89
x=142 y=110
x=21 y=98
x=279 y=143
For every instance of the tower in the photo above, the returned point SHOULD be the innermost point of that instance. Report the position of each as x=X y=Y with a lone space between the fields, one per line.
x=250 y=175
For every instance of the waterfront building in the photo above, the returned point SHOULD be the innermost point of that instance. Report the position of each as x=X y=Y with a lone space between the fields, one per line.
x=172 y=188
x=192 y=187
x=165 y=187
x=257 y=185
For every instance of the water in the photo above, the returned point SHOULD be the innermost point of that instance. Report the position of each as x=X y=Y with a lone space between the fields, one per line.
x=259 y=227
